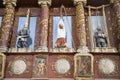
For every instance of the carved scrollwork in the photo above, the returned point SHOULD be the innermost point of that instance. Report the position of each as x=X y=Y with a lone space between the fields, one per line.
x=7 y=21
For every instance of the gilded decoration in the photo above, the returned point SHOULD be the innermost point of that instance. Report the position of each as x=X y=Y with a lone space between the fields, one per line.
x=2 y=65
x=79 y=1
x=83 y=64
x=117 y=2
x=18 y=66
x=80 y=24
x=7 y=21
x=44 y=2
x=10 y=2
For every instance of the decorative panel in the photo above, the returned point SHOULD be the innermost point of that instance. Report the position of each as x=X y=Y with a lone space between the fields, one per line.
x=61 y=66
x=83 y=69
x=40 y=66
x=19 y=66
x=107 y=66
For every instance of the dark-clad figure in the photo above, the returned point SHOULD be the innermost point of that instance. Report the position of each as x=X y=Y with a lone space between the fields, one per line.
x=100 y=38
x=24 y=40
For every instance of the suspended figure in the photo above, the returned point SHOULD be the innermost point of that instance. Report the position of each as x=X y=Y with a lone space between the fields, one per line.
x=61 y=32
x=24 y=40
x=100 y=38
x=61 y=35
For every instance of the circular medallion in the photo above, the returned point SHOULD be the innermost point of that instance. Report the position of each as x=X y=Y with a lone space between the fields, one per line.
x=18 y=67
x=62 y=66
x=106 y=66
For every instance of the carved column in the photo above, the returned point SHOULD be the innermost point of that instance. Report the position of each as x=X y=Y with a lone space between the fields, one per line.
x=44 y=24
x=117 y=13
x=80 y=25
x=7 y=24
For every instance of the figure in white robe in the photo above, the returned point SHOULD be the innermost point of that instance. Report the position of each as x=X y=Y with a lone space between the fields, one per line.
x=61 y=35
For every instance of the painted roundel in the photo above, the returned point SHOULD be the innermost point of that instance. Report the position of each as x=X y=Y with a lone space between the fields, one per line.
x=62 y=66
x=106 y=66
x=18 y=66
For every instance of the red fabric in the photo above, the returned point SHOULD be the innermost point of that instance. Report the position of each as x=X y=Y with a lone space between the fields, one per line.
x=61 y=42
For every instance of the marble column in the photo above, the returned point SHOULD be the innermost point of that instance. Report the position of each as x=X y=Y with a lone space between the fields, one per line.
x=117 y=14
x=80 y=25
x=44 y=4
x=7 y=24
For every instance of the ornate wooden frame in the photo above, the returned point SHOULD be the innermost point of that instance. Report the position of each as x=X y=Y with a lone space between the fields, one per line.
x=2 y=63
x=85 y=76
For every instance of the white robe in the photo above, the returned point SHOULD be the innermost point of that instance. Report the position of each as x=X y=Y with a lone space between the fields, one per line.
x=61 y=32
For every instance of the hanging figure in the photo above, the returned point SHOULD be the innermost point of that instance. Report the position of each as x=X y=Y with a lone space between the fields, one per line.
x=24 y=40
x=61 y=35
x=100 y=38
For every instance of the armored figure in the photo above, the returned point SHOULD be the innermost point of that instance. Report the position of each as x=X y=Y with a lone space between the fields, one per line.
x=24 y=40
x=100 y=38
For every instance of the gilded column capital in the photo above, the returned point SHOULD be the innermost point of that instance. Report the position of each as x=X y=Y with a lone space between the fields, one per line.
x=115 y=2
x=45 y=2
x=76 y=2
x=10 y=2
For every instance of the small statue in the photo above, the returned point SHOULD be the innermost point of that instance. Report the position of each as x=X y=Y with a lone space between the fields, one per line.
x=24 y=40
x=100 y=38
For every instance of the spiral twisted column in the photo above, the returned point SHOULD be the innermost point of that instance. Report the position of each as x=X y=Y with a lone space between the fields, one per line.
x=80 y=25
x=7 y=24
